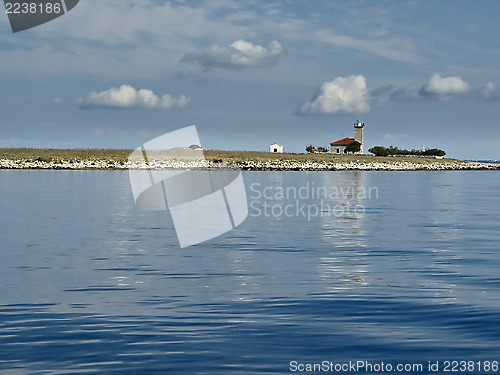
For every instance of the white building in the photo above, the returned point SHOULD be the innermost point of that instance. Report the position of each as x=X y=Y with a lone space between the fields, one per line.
x=277 y=148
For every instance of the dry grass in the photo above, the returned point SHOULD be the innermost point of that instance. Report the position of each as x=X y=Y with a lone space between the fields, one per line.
x=48 y=155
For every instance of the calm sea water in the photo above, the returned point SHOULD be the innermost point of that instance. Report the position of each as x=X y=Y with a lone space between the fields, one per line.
x=90 y=283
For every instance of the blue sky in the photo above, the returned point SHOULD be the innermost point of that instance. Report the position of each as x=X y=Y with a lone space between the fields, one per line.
x=116 y=73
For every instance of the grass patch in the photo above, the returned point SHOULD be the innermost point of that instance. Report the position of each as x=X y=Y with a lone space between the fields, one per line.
x=57 y=155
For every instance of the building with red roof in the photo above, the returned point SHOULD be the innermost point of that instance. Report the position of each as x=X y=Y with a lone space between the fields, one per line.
x=340 y=146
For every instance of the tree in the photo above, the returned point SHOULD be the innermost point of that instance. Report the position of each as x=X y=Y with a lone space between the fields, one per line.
x=392 y=150
x=386 y=151
x=379 y=151
x=322 y=149
x=310 y=149
x=353 y=147
x=434 y=152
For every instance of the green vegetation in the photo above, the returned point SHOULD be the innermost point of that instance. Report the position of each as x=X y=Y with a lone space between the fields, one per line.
x=390 y=151
x=379 y=151
x=311 y=149
x=353 y=147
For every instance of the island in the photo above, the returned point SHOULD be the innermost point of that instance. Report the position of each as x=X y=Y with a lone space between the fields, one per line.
x=118 y=159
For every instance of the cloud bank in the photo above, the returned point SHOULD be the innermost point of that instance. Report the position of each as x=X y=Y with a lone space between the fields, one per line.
x=128 y=97
x=437 y=88
x=239 y=54
x=346 y=95
x=342 y=95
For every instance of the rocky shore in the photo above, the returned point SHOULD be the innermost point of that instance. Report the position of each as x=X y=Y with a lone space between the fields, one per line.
x=251 y=165
x=291 y=165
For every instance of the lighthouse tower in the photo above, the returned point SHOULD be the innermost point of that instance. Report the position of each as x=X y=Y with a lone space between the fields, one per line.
x=358 y=133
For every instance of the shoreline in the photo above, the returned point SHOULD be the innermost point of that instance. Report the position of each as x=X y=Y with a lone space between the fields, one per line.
x=85 y=159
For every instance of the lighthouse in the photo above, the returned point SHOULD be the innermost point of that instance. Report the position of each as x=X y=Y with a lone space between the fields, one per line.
x=358 y=133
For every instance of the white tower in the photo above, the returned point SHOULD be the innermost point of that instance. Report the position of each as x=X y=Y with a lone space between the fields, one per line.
x=358 y=133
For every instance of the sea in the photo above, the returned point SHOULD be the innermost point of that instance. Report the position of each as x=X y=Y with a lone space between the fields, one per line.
x=330 y=273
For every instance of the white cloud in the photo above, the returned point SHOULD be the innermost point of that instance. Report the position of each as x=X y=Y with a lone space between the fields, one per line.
x=490 y=91
x=128 y=97
x=342 y=95
x=437 y=88
x=239 y=54
x=445 y=87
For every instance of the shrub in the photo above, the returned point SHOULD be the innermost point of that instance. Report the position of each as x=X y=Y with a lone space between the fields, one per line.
x=383 y=151
x=379 y=151
x=353 y=147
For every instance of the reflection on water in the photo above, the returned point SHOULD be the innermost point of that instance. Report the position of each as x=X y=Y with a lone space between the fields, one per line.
x=343 y=268
x=91 y=283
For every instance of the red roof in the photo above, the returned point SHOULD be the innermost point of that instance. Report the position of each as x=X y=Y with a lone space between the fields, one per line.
x=343 y=142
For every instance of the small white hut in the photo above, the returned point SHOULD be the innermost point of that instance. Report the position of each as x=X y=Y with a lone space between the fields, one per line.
x=277 y=148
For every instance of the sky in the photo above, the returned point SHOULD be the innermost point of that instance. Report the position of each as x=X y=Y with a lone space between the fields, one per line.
x=117 y=73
